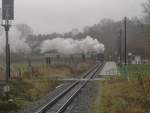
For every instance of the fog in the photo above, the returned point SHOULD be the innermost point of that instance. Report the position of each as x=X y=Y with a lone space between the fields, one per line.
x=64 y=15
x=46 y=16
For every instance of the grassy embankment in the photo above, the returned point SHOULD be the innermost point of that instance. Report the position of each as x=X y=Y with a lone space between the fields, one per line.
x=123 y=95
x=29 y=88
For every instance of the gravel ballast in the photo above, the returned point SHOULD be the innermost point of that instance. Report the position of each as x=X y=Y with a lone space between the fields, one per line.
x=87 y=97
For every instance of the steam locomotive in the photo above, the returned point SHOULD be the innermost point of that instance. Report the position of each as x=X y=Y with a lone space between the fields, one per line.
x=54 y=57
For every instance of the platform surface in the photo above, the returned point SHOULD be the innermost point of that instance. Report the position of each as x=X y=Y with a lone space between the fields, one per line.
x=110 y=68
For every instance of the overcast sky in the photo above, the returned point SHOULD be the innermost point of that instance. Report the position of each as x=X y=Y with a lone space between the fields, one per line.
x=47 y=16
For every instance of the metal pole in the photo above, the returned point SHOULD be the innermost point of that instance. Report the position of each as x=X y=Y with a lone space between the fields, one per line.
x=7 y=26
x=125 y=28
x=7 y=14
x=145 y=49
x=120 y=46
x=7 y=55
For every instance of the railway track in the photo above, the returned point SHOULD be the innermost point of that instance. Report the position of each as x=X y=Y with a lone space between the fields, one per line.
x=60 y=103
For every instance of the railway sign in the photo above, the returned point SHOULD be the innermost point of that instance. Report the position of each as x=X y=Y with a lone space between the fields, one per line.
x=8 y=9
x=6 y=88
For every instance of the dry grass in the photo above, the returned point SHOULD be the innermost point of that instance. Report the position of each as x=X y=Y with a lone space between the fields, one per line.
x=29 y=87
x=123 y=96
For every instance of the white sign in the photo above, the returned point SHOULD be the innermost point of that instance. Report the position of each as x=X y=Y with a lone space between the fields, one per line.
x=6 y=88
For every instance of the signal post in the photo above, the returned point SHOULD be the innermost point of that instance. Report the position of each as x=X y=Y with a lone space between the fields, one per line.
x=7 y=17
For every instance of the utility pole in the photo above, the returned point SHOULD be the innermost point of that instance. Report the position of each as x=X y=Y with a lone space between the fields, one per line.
x=125 y=45
x=145 y=52
x=120 y=46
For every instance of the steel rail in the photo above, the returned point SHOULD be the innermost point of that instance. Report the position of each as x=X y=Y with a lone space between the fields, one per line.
x=58 y=97
x=65 y=105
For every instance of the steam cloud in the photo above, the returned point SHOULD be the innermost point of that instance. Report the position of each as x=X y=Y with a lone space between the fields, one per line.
x=17 y=44
x=71 y=46
x=61 y=45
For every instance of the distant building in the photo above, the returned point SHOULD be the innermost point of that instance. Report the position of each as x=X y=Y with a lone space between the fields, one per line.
x=137 y=60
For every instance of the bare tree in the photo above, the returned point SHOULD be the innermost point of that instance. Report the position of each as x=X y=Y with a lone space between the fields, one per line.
x=146 y=7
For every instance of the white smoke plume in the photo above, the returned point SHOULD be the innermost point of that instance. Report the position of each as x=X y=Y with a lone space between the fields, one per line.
x=17 y=44
x=71 y=46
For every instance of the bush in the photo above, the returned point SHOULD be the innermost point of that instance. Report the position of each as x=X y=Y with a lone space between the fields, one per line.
x=5 y=106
